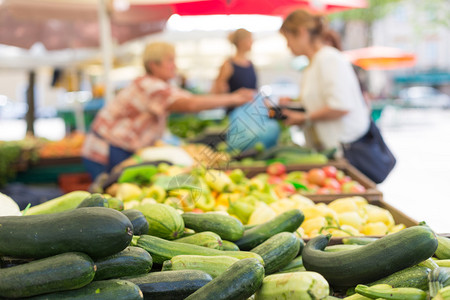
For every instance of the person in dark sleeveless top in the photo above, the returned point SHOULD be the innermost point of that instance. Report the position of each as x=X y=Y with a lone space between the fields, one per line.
x=237 y=71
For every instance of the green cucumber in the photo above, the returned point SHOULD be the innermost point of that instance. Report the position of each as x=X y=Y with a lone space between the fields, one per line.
x=96 y=231
x=171 y=285
x=94 y=200
x=358 y=240
x=137 y=218
x=61 y=272
x=341 y=247
x=115 y=203
x=227 y=227
x=207 y=239
x=371 y=262
x=429 y=263
x=162 y=250
x=443 y=262
x=239 y=282
x=392 y=293
x=163 y=220
x=128 y=262
x=438 y=279
x=101 y=290
x=293 y=286
x=288 y=221
x=65 y=202
x=295 y=265
x=414 y=277
x=213 y=265
x=229 y=246
x=443 y=249
x=278 y=251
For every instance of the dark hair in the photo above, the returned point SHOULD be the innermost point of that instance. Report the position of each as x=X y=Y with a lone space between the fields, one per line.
x=315 y=24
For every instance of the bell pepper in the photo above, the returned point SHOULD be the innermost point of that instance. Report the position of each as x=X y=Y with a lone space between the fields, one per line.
x=243 y=208
x=205 y=202
x=218 y=180
x=261 y=214
x=264 y=197
x=236 y=175
x=224 y=199
x=156 y=192
x=138 y=174
x=255 y=184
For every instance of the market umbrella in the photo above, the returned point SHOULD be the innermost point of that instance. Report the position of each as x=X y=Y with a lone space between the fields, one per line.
x=75 y=24
x=381 y=58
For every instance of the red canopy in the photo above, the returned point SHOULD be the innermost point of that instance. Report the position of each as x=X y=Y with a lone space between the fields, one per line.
x=264 y=7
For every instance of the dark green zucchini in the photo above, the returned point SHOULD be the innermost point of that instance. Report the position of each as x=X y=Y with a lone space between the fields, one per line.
x=295 y=265
x=96 y=231
x=207 y=239
x=170 y=285
x=288 y=221
x=129 y=262
x=229 y=246
x=162 y=250
x=358 y=240
x=52 y=274
x=94 y=200
x=371 y=262
x=7 y=262
x=101 y=290
x=278 y=251
x=137 y=218
x=415 y=277
x=239 y=282
x=228 y=228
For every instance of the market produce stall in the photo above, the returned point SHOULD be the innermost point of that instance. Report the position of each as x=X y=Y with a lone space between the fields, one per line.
x=87 y=244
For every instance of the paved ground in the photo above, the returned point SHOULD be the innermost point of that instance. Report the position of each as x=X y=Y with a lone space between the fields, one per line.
x=420 y=183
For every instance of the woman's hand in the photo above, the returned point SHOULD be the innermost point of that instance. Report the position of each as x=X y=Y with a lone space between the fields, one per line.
x=294 y=117
x=284 y=101
x=242 y=96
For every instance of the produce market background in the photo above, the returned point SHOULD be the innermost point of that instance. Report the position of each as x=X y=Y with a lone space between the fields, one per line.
x=420 y=139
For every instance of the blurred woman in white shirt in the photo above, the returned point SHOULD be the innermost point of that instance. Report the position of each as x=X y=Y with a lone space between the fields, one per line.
x=336 y=113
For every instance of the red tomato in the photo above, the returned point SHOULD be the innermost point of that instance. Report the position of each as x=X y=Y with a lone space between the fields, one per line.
x=276 y=169
x=332 y=183
x=353 y=187
x=316 y=176
x=330 y=171
x=323 y=191
x=274 y=180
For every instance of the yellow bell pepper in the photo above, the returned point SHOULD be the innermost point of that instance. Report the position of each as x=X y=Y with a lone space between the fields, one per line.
x=311 y=225
x=343 y=205
x=224 y=198
x=351 y=218
x=377 y=228
x=128 y=191
x=378 y=214
x=301 y=202
x=397 y=228
x=261 y=214
x=218 y=180
x=282 y=206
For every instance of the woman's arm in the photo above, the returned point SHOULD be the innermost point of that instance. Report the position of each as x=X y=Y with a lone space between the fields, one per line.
x=324 y=114
x=195 y=103
x=220 y=85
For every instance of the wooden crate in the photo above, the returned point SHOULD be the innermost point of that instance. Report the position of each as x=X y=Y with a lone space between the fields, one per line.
x=371 y=193
x=399 y=217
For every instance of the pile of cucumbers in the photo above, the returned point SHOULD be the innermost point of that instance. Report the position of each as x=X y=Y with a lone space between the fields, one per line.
x=93 y=251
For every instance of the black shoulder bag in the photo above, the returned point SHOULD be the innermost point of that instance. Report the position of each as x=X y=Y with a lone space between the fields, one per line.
x=371 y=155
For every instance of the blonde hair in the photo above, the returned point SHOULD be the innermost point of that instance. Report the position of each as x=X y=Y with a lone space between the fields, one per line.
x=301 y=18
x=238 y=35
x=155 y=52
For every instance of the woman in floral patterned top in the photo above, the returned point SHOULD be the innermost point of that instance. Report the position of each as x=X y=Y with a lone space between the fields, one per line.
x=137 y=116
